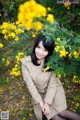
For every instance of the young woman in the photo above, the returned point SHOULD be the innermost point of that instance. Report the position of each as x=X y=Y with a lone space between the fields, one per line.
x=47 y=92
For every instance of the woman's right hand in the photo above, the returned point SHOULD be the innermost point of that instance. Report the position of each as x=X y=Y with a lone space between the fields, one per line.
x=46 y=108
x=41 y=104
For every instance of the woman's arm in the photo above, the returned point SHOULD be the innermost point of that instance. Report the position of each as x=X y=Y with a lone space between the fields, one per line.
x=31 y=86
x=51 y=90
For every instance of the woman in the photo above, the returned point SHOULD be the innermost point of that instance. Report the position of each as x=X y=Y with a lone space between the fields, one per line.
x=47 y=92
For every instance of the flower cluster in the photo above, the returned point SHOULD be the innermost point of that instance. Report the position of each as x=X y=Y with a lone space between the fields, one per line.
x=67 y=4
x=11 y=30
x=61 y=49
x=16 y=70
x=30 y=14
x=1 y=45
x=75 y=79
x=6 y=61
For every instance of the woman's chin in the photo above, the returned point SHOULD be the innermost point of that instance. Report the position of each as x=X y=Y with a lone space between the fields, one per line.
x=39 y=58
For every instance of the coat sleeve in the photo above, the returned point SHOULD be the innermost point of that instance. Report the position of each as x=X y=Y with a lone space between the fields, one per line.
x=51 y=90
x=29 y=82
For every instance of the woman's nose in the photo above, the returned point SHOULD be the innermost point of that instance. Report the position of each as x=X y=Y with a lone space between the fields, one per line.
x=41 y=52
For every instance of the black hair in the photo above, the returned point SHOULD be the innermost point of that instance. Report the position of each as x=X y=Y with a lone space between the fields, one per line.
x=48 y=45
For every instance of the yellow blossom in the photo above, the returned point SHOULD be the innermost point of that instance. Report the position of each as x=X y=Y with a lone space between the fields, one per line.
x=30 y=114
x=7 y=63
x=45 y=69
x=4 y=31
x=5 y=25
x=70 y=55
x=12 y=34
x=29 y=11
x=16 y=38
x=6 y=37
x=76 y=55
x=58 y=39
x=59 y=75
x=17 y=105
x=15 y=72
x=0 y=109
x=38 y=25
x=57 y=48
x=1 y=45
x=33 y=34
x=67 y=4
x=50 y=18
x=75 y=79
x=48 y=8
x=3 y=59
x=20 y=53
x=1 y=90
x=63 y=53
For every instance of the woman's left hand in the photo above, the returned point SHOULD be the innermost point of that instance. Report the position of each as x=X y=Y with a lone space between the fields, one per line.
x=46 y=108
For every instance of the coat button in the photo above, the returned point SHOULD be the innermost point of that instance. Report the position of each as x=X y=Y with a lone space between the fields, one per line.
x=45 y=84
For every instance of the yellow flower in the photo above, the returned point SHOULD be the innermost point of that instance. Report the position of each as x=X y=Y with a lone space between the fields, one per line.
x=30 y=114
x=29 y=11
x=38 y=26
x=70 y=55
x=1 y=45
x=74 y=77
x=67 y=4
x=3 y=59
x=4 y=31
x=58 y=39
x=50 y=18
x=47 y=68
x=7 y=63
x=33 y=34
x=12 y=34
x=16 y=38
x=15 y=72
x=5 y=25
x=20 y=53
x=76 y=55
x=48 y=8
x=1 y=90
x=57 y=48
x=28 y=24
x=59 y=75
x=63 y=53
x=6 y=37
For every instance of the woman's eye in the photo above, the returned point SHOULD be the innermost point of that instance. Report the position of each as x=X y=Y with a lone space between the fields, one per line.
x=38 y=46
x=45 y=50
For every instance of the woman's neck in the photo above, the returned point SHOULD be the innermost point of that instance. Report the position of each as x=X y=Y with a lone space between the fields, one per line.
x=41 y=62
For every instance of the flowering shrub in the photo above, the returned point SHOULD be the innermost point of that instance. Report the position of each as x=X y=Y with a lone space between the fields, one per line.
x=35 y=19
x=11 y=30
x=30 y=14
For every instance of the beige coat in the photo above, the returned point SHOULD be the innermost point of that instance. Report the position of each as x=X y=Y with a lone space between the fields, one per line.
x=43 y=86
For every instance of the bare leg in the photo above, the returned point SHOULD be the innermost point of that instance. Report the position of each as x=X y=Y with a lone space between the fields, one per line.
x=69 y=115
x=57 y=117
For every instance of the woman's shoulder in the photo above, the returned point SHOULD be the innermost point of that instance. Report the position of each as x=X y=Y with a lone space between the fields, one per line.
x=26 y=59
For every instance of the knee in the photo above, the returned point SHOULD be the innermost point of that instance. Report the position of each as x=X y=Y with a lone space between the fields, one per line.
x=62 y=114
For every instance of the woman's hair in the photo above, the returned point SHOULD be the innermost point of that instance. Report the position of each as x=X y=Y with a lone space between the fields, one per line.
x=48 y=45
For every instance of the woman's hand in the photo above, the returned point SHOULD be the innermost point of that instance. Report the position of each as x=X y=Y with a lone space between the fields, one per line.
x=46 y=108
x=41 y=104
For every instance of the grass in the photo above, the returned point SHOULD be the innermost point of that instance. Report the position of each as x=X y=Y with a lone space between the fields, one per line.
x=15 y=98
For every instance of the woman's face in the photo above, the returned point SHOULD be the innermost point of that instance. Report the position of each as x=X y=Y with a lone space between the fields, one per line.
x=40 y=51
